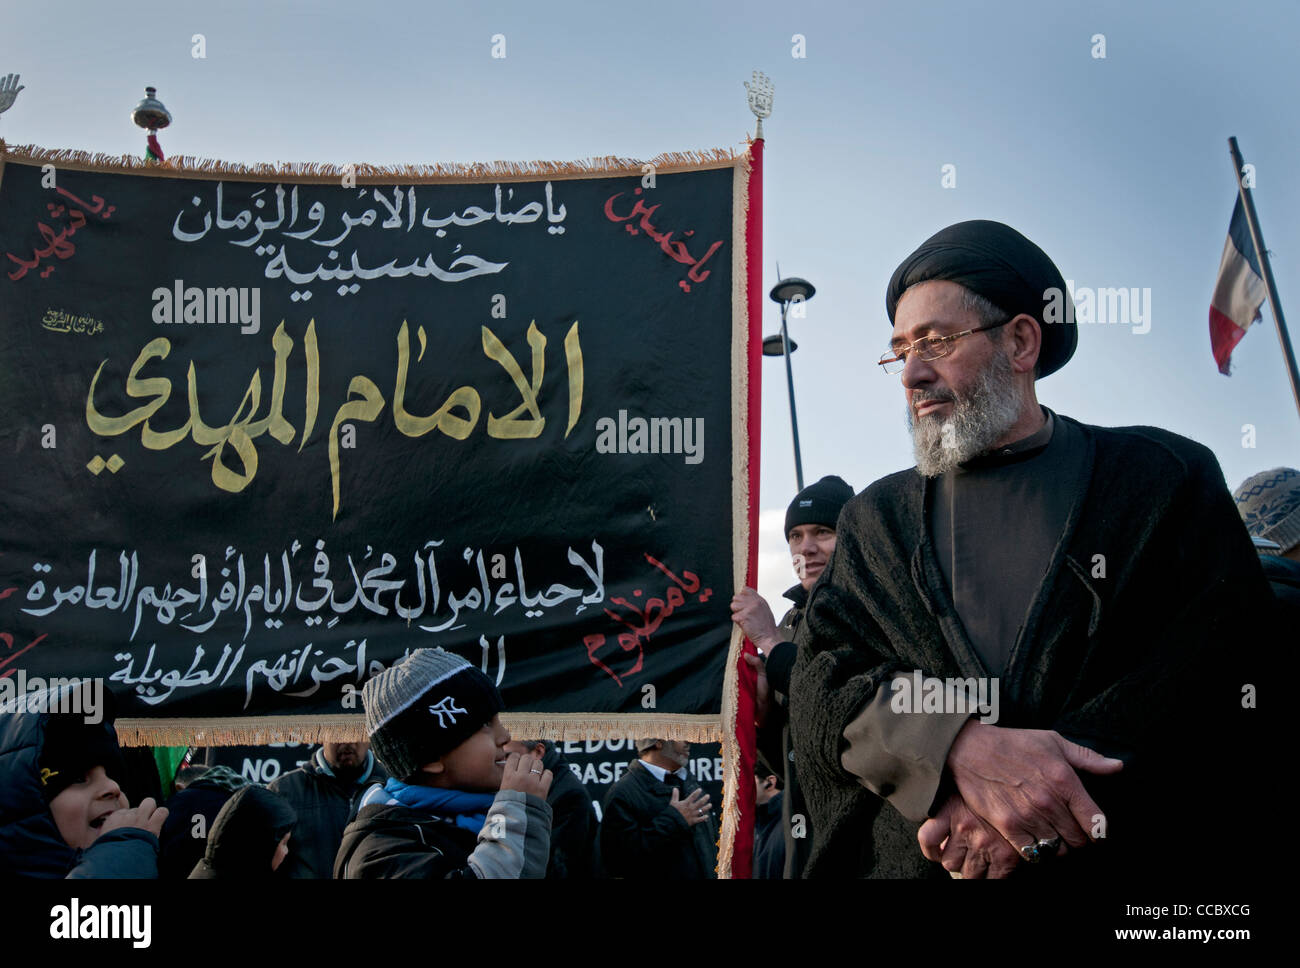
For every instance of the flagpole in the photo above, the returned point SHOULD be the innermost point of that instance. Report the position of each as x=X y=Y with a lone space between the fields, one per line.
x=1257 y=239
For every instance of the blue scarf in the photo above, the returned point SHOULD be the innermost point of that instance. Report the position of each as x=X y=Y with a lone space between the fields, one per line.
x=468 y=810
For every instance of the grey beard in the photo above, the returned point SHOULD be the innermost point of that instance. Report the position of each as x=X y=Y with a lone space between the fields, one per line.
x=976 y=424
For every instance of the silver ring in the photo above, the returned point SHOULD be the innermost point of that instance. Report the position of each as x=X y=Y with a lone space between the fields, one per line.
x=534 y=771
x=1040 y=850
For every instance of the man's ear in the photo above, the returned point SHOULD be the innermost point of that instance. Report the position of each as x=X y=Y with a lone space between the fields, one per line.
x=433 y=768
x=1026 y=343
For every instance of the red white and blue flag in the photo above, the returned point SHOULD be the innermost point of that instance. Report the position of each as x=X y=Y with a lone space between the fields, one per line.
x=1238 y=292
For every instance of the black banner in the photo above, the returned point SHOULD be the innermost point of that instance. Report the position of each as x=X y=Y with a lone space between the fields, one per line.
x=265 y=436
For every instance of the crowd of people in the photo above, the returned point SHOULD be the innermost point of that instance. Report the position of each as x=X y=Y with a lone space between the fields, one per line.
x=1035 y=654
x=472 y=801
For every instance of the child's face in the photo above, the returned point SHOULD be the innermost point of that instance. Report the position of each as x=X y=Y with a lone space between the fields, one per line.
x=478 y=764
x=81 y=809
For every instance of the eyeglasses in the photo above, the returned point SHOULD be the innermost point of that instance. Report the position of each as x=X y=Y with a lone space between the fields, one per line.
x=927 y=348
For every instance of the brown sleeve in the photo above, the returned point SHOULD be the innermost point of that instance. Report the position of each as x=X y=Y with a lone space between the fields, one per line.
x=900 y=756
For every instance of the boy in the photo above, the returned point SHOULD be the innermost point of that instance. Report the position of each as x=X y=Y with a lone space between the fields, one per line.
x=61 y=813
x=457 y=805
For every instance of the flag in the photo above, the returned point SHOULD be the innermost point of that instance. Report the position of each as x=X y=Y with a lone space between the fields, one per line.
x=1238 y=292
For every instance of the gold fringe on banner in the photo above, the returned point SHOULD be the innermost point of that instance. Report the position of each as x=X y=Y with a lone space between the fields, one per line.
x=562 y=726
x=186 y=166
x=258 y=731
x=252 y=731
x=740 y=505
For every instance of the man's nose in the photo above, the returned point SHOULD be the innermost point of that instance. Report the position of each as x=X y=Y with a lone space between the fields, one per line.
x=917 y=372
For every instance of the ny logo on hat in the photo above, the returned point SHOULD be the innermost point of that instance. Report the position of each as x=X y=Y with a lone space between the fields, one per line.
x=446 y=707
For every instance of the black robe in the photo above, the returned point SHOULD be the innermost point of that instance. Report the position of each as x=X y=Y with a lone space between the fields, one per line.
x=1136 y=654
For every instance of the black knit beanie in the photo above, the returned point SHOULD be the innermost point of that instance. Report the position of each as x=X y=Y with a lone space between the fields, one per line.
x=72 y=748
x=818 y=503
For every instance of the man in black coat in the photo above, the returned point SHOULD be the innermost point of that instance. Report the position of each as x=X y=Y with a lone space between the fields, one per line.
x=810 y=532
x=573 y=819
x=325 y=793
x=657 y=823
x=1024 y=655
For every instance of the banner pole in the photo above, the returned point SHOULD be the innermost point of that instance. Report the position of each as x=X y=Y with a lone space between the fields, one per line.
x=1257 y=239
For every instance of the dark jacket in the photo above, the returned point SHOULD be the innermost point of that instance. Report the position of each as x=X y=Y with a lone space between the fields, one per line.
x=1138 y=659
x=1283 y=576
x=30 y=844
x=184 y=838
x=769 y=844
x=573 y=824
x=245 y=836
x=325 y=805
x=394 y=841
x=776 y=748
x=643 y=837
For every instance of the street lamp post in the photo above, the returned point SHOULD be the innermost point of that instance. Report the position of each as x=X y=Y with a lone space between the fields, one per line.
x=785 y=292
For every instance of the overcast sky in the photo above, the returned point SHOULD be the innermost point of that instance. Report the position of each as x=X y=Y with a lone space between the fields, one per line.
x=1117 y=166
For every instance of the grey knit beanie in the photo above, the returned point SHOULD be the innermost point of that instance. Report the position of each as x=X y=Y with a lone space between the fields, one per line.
x=425 y=706
x=1269 y=503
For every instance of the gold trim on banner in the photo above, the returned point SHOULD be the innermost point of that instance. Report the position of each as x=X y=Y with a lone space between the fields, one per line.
x=740 y=504
x=561 y=726
x=186 y=166
x=349 y=728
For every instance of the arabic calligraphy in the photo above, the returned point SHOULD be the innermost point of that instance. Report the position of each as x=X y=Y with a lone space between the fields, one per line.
x=274 y=593
x=57 y=321
x=59 y=244
x=675 y=250
x=456 y=418
x=643 y=622
x=399 y=212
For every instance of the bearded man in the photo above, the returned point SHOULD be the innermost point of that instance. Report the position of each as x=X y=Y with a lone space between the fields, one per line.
x=326 y=793
x=1020 y=658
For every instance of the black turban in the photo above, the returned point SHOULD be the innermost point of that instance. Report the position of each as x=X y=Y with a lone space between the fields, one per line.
x=1000 y=264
